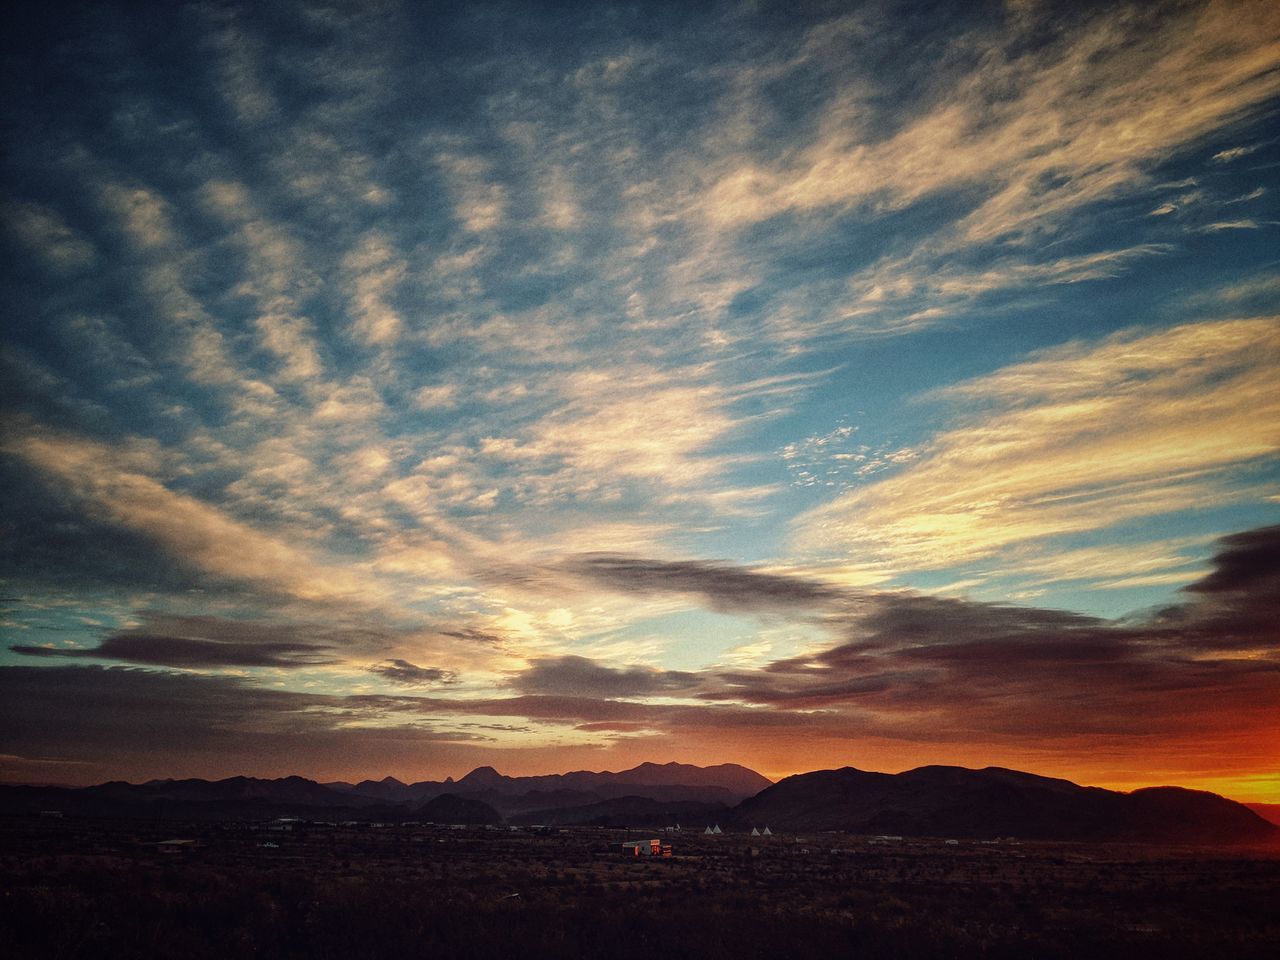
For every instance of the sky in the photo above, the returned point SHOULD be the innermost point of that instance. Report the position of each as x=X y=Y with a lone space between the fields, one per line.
x=396 y=388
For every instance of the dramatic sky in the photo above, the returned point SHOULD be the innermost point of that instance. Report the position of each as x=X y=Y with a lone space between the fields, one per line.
x=396 y=387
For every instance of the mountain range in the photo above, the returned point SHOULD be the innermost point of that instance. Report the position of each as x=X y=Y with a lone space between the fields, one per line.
x=942 y=801
x=935 y=801
x=725 y=783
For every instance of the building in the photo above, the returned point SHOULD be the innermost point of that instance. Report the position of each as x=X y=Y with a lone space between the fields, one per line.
x=646 y=848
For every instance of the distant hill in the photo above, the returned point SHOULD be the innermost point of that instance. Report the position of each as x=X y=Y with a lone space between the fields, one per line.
x=943 y=801
x=732 y=777
x=388 y=789
x=726 y=783
x=282 y=790
x=389 y=799
x=1267 y=811
x=235 y=798
x=451 y=808
x=627 y=812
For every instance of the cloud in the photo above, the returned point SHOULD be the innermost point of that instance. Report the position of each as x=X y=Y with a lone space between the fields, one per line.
x=1195 y=680
x=1007 y=144
x=1233 y=153
x=1029 y=126
x=192 y=642
x=200 y=534
x=130 y=721
x=473 y=636
x=925 y=287
x=1105 y=566
x=192 y=652
x=436 y=396
x=1221 y=225
x=410 y=674
x=188 y=334
x=479 y=202
x=645 y=425
x=950 y=283
x=1198 y=682
x=574 y=676
x=922 y=669
x=1247 y=564
x=144 y=215
x=239 y=73
x=52 y=543
x=375 y=271
x=725 y=587
x=639 y=435
x=1078 y=438
x=276 y=279
x=45 y=232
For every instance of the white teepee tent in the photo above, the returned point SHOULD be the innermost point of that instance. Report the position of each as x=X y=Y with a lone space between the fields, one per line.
x=755 y=832
x=717 y=829
x=767 y=832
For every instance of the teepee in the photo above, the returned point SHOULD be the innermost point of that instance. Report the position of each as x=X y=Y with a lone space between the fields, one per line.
x=708 y=831
x=755 y=832
x=717 y=829
x=767 y=832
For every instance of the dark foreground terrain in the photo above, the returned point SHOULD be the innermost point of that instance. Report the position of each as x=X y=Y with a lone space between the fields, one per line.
x=109 y=888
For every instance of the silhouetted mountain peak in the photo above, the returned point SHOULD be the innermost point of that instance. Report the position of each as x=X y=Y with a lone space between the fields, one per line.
x=739 y=781
x=958 y=802
x=483 y=776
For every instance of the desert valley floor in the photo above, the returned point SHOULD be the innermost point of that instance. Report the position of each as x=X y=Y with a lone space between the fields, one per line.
x=80 y=887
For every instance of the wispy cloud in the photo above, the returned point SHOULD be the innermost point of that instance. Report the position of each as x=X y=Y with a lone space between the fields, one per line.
x=1233 y=153
x=410 y=674
x=579 y=677
x=1083 y=437
x=722 y=586
x=276 y=279
x=1219 y=225
x=1055 y=143
x=191 y=652
x=375 y=271
x=193 y=530
x=49 y=237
